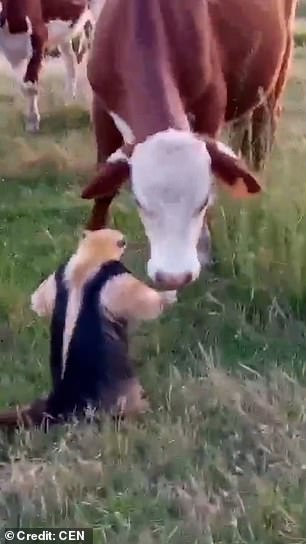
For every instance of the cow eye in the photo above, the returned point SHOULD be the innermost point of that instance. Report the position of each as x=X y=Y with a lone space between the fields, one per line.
x=202 y=207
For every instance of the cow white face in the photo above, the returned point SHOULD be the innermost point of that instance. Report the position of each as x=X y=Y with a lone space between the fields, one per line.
x=172 y=199
x=171 y=176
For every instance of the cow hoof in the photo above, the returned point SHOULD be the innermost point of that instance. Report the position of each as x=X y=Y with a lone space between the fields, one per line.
x=32 y=126
x=206 y=259
x=207 y=262
x=205 y=248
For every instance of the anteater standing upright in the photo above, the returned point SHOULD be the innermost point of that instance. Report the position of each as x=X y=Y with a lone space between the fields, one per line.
x=91 y=300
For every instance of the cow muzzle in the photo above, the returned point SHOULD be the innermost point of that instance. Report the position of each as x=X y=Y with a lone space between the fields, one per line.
x=172 y=282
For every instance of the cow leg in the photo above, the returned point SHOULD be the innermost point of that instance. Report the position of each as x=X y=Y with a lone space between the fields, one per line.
x=108 y=140
x=71 y=69
x=208 y=113
x=205 y=243
x=30 y=87
x=265 y=117
x=82 y=42
x=32 y=121
x=239 y=136
x=254 y=134
x=205 y=246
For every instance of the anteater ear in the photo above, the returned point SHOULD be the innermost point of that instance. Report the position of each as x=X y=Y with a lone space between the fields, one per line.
x=108 y=181
x=231 y=170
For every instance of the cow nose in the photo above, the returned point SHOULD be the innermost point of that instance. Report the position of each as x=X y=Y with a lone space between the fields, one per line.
x=169 y=281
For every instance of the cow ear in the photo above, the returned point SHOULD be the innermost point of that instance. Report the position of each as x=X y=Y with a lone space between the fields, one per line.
x=108 y=180
x=231 y=170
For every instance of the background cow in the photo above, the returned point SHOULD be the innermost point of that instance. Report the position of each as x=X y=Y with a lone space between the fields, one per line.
x=29 y=28
x=209 y=62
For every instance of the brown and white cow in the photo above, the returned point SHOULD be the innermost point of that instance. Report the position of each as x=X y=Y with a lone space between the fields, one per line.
x=28 y=28
x=167 y=75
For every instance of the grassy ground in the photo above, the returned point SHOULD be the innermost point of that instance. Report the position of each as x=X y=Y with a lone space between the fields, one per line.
x=300 y=32
x=301 y=9
x=222 y=456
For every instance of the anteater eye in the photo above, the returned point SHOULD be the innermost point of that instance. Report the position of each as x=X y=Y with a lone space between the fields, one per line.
x=121 y=243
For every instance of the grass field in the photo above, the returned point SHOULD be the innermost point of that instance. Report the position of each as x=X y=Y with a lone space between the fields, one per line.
x=301 y=9
x=222 y=456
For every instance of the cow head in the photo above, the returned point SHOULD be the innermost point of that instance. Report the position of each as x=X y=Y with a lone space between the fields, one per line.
x=171 y=177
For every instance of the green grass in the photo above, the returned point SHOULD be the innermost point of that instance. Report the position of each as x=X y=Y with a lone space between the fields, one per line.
x=301 y=9
x=221 y=457
x=300 y=32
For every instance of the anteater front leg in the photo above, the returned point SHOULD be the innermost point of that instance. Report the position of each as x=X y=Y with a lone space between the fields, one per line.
x=32 y=415
x=127 y=297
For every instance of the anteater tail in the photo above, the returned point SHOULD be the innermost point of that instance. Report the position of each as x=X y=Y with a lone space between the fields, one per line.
x=24 y=416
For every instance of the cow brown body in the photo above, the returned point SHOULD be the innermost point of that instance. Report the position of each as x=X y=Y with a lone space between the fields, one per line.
x=189 y=65
x=38 y=26
x=215 y=59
